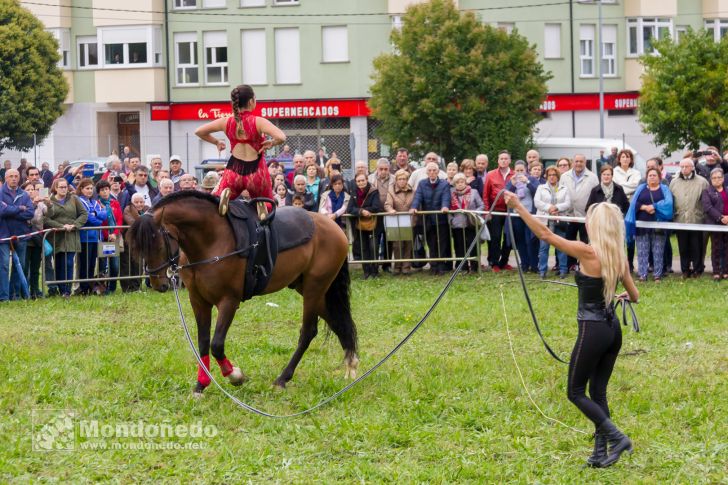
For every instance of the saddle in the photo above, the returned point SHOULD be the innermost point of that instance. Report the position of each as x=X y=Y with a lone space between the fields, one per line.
x=261 y=241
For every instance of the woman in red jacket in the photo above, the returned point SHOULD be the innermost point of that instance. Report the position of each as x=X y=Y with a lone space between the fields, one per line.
x=246 y=169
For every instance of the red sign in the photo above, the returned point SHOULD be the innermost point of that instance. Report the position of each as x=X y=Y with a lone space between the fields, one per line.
x=589 y=102
x=333 y=108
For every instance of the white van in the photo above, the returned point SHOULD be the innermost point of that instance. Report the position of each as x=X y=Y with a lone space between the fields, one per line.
x=553 y=148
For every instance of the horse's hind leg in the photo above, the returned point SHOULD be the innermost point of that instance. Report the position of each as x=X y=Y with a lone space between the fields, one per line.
x=309 y=329
x=225 y=313
x=346 y=333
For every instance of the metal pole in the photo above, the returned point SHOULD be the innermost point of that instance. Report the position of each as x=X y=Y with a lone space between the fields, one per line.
x=601 y=76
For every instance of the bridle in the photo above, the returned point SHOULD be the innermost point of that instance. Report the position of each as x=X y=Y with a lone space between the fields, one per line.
x=172 y=262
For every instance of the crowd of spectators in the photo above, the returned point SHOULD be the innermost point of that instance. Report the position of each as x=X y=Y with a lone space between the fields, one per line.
x=33 y=199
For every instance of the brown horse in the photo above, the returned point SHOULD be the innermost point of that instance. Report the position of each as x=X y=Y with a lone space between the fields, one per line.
x=188 y=221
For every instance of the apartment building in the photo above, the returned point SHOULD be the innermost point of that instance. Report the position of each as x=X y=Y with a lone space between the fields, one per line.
x=146 y=73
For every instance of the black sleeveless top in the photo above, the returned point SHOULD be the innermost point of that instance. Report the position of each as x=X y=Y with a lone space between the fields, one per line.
x=591 y=299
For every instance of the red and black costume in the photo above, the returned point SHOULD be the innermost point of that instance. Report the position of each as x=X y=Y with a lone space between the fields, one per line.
x=240 y=175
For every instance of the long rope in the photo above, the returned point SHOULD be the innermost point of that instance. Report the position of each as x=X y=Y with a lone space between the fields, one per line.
x=520 y=374
x=345 y=388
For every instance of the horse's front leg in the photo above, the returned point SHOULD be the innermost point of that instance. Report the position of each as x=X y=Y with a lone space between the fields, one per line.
x=225 y=312
x=203 y=316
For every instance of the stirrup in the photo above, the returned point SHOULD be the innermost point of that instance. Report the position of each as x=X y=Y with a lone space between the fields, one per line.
x=224 y=202
x=262 y=210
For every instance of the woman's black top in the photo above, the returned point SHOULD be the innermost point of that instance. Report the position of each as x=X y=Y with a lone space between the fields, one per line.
x=591 y=299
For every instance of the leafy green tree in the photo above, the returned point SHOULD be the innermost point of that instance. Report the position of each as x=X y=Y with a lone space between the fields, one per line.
x=456 y=86
x=32 y=87
x=684 y=97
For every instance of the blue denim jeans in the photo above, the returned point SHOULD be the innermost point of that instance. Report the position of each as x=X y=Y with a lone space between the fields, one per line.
x=543 y=256
x=4 y=270
x=64 y=271
x=21 y=248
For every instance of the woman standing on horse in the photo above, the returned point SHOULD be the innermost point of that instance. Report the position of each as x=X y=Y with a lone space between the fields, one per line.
x=246 y=169
x=603 y=265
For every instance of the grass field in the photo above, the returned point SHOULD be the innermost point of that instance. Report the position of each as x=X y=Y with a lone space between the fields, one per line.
x=449 y=407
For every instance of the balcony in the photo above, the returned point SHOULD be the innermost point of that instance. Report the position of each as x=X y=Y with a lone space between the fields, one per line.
x=650 y=8
x=130 y=85
x=53 y=16
x=105 y=15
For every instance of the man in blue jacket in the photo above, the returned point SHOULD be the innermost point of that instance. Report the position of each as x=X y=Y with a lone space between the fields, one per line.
x=16 y=210
x=433 y=194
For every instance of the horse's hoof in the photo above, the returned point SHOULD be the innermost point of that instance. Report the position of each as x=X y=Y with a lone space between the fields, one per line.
x=197 y=395
x=279 y=386
x=237 y=377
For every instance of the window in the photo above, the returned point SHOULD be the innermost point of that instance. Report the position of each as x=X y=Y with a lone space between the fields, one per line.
x=216 y=65
x=642 y=31
x=185 y=3
x=680 y=30
x=88 y=51
x=506 y=27
x=252 y=3
x=285 y=2
x=609 y=50
x=586 y=50
x=397 y=22
x=288 y=56
x=63 y=37
x=185 y=53
x=254 y=59
x=131 y=46
x=718 y=28
x=335 y=44
x=552 y=41
x=214 y=3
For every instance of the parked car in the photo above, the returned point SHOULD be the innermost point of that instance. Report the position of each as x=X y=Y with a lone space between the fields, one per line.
x=553 y=148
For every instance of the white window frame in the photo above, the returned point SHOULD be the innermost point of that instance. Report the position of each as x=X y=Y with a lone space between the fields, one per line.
x=609 y=60
x=285 y=2
x=716 y=25
x=397 y=22
x=279 y=61
x=181 y=4
x=63 y=37
x=587 y=34
x=339 y=53
x=150 y=35
x=252 y=3
x=255 y=64
x=680 y=30
x=552 y=32
x=87 y=40
x=657 y=25
x=214 y=40
x=180 y=68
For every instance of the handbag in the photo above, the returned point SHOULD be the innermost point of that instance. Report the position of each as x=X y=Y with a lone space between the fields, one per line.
x=366 y=223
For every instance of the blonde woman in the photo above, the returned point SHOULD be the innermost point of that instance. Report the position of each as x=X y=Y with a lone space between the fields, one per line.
x=603 y=265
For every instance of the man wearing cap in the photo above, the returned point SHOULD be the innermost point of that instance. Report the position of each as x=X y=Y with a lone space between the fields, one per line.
x=209 y=182
x=175 y=170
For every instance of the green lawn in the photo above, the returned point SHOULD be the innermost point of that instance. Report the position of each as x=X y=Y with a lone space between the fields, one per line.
x=449 y=407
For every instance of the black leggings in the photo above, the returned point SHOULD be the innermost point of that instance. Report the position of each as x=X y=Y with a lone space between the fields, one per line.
x=592 y=360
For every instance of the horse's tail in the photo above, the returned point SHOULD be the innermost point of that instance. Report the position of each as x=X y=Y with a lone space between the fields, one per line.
x=338 y=306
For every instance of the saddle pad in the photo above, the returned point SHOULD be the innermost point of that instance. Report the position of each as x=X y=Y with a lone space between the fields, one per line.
x=292 y=226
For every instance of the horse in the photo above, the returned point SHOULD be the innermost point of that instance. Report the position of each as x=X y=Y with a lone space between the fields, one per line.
x=186 y=227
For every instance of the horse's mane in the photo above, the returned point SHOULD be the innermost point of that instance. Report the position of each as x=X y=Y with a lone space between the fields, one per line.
x=186 y=194
x=142 y=233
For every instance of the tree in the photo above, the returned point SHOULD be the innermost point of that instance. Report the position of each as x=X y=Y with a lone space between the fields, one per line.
x=684 y=97
x=32 y=87
x=456 y=86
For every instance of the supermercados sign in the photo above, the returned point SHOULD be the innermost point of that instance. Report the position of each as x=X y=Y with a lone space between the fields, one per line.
x=335 y=108
x=590 y=102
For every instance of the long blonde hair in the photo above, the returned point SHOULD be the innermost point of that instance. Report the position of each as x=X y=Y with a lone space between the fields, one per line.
x=605 y=226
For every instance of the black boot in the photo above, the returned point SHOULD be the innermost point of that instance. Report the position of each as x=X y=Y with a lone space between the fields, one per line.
x=600 y=450
x=618 y=442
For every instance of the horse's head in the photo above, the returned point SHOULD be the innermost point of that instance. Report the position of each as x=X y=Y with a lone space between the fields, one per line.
x=154 y=245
